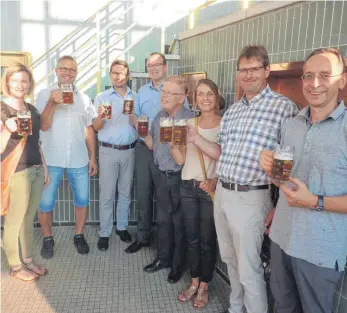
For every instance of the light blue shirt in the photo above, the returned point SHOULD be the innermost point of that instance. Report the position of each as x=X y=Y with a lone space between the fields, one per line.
x=320 y=161
x=148 y=101
x=118 y=130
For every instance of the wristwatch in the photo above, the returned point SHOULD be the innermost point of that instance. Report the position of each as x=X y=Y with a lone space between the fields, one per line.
x=320 y=205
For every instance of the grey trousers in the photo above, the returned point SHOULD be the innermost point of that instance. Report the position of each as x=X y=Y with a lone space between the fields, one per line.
x=239 y=219
x=299 y=286
x=116 y=172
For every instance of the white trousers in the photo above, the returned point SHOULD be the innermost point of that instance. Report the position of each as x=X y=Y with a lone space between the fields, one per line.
x=239 y=218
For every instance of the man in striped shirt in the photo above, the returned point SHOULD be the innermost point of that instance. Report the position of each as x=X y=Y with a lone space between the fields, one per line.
x=242 y=198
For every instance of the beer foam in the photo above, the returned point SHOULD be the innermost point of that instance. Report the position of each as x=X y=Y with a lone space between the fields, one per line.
x=182 y=122
x=166 y=123
x=284 y=156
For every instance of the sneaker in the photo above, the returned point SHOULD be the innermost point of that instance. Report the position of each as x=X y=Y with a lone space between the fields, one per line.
x=47 y=247
x=81 y=244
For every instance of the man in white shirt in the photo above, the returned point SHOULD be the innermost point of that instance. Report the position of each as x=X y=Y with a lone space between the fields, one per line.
x=67 y=137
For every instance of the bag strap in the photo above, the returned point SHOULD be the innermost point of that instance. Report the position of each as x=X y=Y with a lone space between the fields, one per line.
x=201 y=158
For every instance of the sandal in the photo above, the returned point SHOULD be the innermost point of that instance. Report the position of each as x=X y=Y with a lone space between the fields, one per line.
x=24 y=274
x=187 y=294
x=201 y=299
x=36 y=269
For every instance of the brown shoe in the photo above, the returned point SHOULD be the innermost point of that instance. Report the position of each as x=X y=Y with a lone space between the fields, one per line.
x=23 y=274
x=201 y=299
x=36 y=269
x=187 y=294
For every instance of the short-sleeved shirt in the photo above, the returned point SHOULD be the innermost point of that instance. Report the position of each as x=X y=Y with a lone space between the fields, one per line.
x=64 y=143
x=148 y=101
x=320 y=161
x=31 y=153
x=161 y=152
x=247 y=128
x=118 y=130
x=192 y=167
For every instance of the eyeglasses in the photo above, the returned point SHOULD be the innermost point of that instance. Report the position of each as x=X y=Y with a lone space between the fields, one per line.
x=245 y=71
x=67 y=69
x=209 y=95
x=170 y=94
x=157 y=65
x=309 y=77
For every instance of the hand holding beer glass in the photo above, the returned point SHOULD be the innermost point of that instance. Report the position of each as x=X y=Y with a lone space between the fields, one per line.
x=166 y=124
x=179 y=132
x=67 y=91
x=143 y=126
x=105 y=110
x=24 y=123
x=283 y=160
x=128 y=106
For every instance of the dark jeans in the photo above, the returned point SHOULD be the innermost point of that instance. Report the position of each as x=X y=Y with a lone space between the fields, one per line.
x=197 y=211
x=145 y=171
x=170 y=230
x=299 y=286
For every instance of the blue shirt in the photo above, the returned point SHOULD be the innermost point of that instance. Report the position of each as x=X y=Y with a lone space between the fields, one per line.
x=161 y=151
x=320 y=161
x=118 y=130
x=148 y=101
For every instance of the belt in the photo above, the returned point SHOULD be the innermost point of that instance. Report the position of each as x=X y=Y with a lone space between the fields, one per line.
x=192 y=182
x=118 y=147
x=243 y=188
x=171 y=173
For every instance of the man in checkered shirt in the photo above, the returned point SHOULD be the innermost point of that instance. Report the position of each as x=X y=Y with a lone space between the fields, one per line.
x=242 y=198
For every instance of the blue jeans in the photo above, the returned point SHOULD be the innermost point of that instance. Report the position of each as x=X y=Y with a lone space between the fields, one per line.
x=79 y=184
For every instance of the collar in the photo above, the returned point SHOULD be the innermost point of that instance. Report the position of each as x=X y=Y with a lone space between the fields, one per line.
x=340 y=109
x=151 y=86
x=258 y=97
x=179 y=114
x=113 y=91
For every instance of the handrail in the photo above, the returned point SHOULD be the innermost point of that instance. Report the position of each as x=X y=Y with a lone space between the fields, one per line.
x=70 y=35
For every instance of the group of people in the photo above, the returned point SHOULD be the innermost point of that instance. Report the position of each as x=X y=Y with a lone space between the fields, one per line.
x=217 y=186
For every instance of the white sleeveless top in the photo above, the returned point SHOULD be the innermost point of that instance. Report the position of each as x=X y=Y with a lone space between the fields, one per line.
x=192 y=167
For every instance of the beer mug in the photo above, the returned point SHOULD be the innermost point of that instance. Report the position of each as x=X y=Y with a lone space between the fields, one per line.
x=180 y=132
x=142 y=126
x=67 y=90
x=166 y=129
x=24 y=123
x=283 y=163
x=106 y=110
x=128 y=106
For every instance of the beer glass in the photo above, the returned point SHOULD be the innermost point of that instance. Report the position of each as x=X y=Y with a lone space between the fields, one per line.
x=107 y=110
x=142 y=126
x=180 y=132
x=67 y=90
x=24 y=123
x=128 y=106
x=166 y=129
x=283 y=163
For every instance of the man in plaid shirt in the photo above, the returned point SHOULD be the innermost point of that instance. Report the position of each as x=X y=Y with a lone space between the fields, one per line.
x=242 y=198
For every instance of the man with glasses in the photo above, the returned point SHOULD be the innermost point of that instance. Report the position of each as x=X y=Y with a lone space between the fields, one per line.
x=67 y=137
x=242 y=198
x=147 y=103
x=117 y=139
x=309 y=228
x=170 y=230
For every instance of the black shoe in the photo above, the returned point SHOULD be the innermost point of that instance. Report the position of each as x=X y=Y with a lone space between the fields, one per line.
x=47 y=247
x=103 y=243
x=157 y=265
x=136 y=246
x=81 y=244
x=174 y=276
x=123 y=235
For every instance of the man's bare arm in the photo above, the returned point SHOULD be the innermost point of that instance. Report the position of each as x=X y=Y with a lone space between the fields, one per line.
x=46 y=118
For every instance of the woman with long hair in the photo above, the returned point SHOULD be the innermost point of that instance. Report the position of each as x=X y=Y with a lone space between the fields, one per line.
x=198 y=182
x=30 y=175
